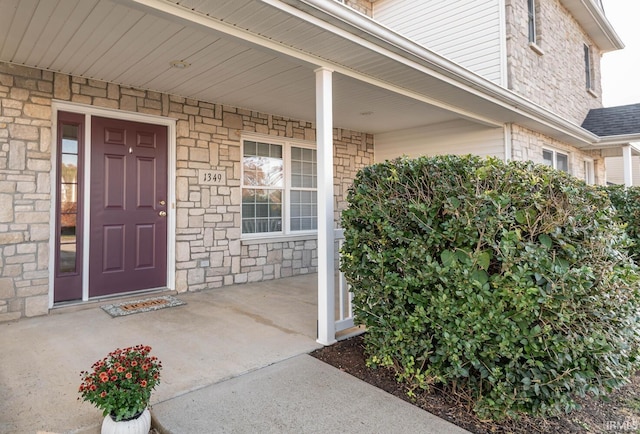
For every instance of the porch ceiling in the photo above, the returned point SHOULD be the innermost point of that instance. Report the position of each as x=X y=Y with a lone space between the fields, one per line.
x=260 y=55
x=125 y=43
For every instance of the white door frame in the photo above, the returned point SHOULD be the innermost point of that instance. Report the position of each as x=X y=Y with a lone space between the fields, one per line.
x=88 y=111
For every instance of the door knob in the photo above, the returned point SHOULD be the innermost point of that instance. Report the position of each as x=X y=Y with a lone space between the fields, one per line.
x=162 y=213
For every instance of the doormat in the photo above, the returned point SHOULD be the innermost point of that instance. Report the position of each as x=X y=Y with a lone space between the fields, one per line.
x=138 y=306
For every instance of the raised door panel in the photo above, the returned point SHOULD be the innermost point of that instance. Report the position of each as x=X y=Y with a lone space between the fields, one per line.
x=113 y=255
x=114 y=182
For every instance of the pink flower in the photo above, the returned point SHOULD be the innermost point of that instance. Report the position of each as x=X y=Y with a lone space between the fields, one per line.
x=110 y=379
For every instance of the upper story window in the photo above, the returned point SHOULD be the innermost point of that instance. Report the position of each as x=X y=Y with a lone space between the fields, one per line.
x=533 y=37
x=555 y=159
x=588 y=67
x=279 y=188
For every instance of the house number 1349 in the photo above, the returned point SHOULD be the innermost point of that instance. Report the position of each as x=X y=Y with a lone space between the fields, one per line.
x=211 y=177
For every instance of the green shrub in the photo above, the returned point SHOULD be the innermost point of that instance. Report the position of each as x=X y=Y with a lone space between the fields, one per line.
x=508 y=284
x=627 y=204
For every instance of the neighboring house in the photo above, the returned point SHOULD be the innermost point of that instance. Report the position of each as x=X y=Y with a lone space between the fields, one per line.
x=199 y=143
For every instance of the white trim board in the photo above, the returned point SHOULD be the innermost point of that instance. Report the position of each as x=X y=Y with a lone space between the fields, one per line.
x=89 y=111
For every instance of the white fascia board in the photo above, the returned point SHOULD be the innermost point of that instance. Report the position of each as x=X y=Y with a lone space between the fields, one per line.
x=623 y=139
x=619 y=142
x=603 y=22
x=589 y=14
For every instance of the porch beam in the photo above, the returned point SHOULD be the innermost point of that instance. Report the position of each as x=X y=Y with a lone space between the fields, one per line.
x=326 y=236
x=627 y=165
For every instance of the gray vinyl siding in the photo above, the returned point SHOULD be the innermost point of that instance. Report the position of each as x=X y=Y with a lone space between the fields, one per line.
x=468 y=32
x=455 y=137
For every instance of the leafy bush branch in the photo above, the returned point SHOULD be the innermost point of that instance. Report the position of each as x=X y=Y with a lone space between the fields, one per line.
x=510 y=284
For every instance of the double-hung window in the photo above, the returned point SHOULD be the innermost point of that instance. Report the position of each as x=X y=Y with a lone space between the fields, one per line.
x=279 y=187
x=588 y=68
x=532 y=27
x=555 y=159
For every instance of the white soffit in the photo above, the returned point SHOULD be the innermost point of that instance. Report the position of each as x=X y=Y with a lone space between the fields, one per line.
x=126 y=43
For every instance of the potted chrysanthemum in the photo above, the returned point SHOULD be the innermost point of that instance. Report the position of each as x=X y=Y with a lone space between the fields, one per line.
x=120 y=385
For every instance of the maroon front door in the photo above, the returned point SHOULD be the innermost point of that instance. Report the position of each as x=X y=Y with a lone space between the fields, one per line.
x=128 y=236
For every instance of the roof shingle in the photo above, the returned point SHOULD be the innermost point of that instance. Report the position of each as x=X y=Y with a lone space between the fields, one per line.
x=613 y=121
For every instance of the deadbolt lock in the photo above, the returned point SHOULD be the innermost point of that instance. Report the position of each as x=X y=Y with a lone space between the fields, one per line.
x=162 y=202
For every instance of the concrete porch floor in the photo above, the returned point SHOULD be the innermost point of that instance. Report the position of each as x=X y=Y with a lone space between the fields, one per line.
x=219 y=334
x=234 y=361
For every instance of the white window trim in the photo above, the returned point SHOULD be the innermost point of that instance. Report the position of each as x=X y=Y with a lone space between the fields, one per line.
x=286 y=144
x=554 y=159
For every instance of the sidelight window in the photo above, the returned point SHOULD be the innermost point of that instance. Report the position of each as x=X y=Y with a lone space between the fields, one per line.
x=69 y=191
x=69 y=196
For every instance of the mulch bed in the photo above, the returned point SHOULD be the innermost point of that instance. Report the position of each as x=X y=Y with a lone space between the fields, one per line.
x=620 y=414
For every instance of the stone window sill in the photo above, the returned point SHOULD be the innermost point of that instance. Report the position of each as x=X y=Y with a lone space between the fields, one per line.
x=536 y=48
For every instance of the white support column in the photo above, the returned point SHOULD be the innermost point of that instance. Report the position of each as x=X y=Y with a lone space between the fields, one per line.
x=326 y=237
x=627 y=165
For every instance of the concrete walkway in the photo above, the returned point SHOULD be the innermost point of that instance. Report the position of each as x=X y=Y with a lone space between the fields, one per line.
x=234 y=361
x=299 y=395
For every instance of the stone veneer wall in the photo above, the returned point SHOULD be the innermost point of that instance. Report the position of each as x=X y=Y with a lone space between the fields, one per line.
x=363 y=6
x=209 y=250
x=556 y=79
x=528 y=145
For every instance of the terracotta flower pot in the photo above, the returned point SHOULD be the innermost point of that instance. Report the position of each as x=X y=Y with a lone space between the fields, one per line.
x=138 y=425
